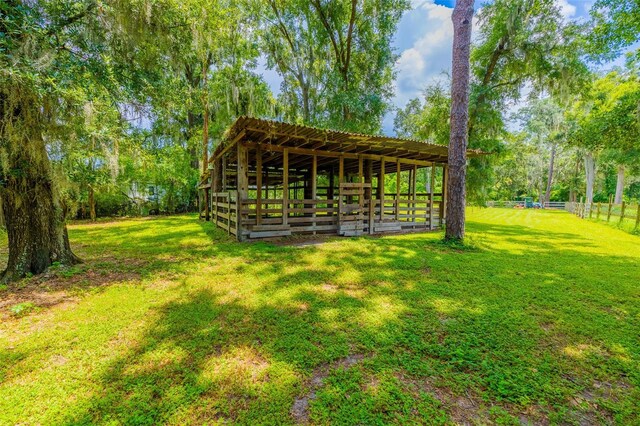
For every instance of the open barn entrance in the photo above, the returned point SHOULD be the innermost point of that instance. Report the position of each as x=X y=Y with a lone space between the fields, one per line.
x=355 y=209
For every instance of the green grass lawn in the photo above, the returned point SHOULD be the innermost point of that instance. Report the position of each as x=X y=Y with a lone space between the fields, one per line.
x=169 y=321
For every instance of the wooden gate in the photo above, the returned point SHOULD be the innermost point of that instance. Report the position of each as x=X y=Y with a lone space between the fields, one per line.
x=354 y=209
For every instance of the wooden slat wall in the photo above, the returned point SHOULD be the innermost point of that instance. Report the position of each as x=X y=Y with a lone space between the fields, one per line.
x=412 y=214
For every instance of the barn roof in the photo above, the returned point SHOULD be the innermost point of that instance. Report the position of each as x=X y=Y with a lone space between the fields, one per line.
x=282 y=134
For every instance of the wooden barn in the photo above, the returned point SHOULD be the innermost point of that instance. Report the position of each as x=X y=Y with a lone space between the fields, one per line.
x=271 y=179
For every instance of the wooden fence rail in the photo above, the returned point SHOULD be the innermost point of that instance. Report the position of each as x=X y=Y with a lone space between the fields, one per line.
x=553 y=205
x=619 y=212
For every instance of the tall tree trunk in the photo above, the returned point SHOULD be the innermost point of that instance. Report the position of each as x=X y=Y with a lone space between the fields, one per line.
x=205 y=115
x=192 y=149
x=92 y=203
x=33 y=214
x=306 y=104
x=205 y=138
x=574 y=185
x=619 y=185
x=540 y=193
x=590 y=173
x=486 y=79
x=456 y=190
x=547 y=194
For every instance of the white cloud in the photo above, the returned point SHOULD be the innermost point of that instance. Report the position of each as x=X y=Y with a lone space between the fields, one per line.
x=567 y=9
x=427 y=32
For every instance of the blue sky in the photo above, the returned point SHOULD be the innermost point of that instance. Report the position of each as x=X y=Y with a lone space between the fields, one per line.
x=423 y=42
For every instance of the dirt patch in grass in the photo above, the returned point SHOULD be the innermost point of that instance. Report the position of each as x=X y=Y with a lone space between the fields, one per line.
x=470 y=408
x=588 y=405
x=300 y=409
x=348 y=289
x=57 y=286
x=301 y=240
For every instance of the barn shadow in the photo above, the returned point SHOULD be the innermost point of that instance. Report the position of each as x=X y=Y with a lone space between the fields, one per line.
x=408 y=305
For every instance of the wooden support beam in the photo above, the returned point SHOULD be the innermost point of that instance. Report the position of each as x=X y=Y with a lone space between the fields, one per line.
x=336 y=154
x=225 y=179
x=398 y=182
x=341 y=170
x=242 y=177
x=215 y=187
x=415 y=181
x=216 y=181
x=360 y=169
x=414 y=190
x=230 y=144
x=274 y=157
x=432 y=184
x=331 y=184
x=314 y=183
x=285 y=187
x=258 y=185
x=209 y=191
x=314 y=177
x=368 y=177
x=381 y=189
x=344 y=145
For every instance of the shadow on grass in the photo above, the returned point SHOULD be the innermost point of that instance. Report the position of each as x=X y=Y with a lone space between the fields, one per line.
x=528 y=334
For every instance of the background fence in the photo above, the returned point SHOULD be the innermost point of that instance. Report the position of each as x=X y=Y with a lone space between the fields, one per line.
x=627 y=216
x=505 y=204
x=556 y=205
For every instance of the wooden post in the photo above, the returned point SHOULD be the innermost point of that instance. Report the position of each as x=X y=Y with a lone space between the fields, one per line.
x=590 y=210
x=580 y=207
x=598 y=212
x=229 y=214
x=224 y=173
x=285 y=187
x=638 y=217
x=331 y=184
x=212 y=177
x=398 y=170
x=216 y=183
x=341 y=170
x=381 y=189
x=443 y=204
x=238 y=217
x=314 y=177
x=259 y=185
x=414 y=190
x=624 y=206
x=314 y=188
x=207 y=197
x=609 y=211
x=360 y=169
x=243 y=185
x=432 y=185
x=368 y=177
